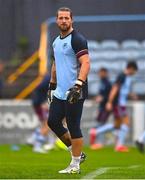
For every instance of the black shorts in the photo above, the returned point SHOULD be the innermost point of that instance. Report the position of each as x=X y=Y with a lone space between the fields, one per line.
x=60 y=109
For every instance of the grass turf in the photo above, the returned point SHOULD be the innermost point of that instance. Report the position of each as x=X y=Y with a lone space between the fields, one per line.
x=24 y=164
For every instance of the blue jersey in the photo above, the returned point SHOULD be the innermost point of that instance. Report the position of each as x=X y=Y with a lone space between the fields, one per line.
x=66 y=51
x=124 y=83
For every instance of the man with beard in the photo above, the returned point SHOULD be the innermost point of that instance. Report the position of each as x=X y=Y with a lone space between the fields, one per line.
x=69 y=81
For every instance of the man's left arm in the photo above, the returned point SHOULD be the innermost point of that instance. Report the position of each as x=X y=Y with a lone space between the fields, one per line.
x=80 y=47
x=85 y=67
x=74 y=93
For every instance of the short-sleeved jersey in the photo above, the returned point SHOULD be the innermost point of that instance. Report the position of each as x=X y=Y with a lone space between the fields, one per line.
x=124 y=83
x=104 y=90
x=66 y=51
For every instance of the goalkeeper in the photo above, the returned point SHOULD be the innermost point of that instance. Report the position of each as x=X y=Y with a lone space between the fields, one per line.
x=69 y=80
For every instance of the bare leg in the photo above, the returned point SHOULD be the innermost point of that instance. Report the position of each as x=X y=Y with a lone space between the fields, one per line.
x=44 y=128
x=77 y=145
x=66 y=139
x=123 y=131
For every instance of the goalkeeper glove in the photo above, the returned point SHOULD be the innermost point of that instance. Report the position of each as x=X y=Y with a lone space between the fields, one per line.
x=74 y=93
x=51 y=88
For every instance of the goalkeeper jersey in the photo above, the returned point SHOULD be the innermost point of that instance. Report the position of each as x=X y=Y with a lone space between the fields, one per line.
x=66 y=52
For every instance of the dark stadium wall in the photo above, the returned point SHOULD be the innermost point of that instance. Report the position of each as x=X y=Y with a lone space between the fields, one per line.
x=24 y=17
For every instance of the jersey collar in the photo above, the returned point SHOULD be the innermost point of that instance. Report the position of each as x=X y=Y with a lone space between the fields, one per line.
x=66 y=35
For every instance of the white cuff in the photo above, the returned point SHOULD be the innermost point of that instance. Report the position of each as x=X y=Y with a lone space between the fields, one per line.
x=79 y=82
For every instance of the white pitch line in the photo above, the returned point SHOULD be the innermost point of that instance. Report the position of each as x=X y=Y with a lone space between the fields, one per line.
x=134 y=166
x=101 y=171
x=97 y=172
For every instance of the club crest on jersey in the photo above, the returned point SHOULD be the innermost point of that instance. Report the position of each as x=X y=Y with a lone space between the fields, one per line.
x=65 y=45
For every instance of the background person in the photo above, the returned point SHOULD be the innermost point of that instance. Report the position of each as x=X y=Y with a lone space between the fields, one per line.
x=1 y=80
x=42 y=135
x=103 y=114
x=117 y=102
x=140 y=142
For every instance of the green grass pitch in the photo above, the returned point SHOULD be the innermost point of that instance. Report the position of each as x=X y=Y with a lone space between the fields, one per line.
x=101 y=164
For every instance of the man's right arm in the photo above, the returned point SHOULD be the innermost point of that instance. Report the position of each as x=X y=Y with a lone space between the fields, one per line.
x=53 y=73
x=112 y=95
x=114 y=90
x=52 y=84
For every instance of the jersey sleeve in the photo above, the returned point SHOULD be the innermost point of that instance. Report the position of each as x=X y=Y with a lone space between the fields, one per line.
x=52 y=55
x=79 y=44
x=120 y=79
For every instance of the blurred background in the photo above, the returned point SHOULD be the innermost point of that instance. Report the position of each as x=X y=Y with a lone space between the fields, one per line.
x=115 y=30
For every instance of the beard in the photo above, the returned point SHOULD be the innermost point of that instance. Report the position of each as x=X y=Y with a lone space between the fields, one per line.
x=64 y=27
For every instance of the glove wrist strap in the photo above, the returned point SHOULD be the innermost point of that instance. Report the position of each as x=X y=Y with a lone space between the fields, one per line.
x=79 y=82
